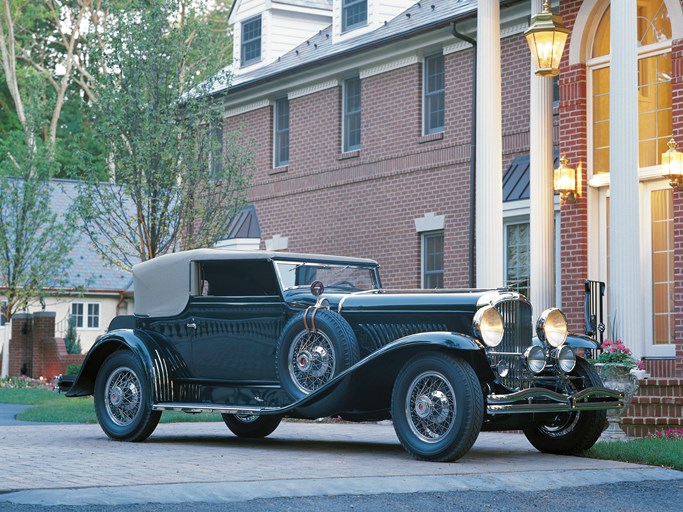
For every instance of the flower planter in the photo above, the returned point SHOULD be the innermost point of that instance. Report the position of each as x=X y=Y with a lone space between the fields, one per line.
x=620 y=377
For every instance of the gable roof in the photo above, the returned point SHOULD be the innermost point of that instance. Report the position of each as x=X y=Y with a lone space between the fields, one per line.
x=88 y=270
x=320 y=49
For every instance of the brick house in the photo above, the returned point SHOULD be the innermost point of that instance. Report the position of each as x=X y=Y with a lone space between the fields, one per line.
x=364 y=121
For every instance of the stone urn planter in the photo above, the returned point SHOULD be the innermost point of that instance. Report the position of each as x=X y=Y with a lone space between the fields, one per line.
x=617 y=376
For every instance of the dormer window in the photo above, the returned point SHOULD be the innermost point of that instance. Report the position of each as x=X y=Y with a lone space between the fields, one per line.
x=251 y=41
x=354 y=14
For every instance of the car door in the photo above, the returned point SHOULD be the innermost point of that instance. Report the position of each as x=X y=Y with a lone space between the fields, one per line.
x=237 y=321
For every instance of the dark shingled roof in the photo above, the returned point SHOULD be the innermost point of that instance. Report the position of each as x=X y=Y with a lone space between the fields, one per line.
x=319 y=48
x=89 y=269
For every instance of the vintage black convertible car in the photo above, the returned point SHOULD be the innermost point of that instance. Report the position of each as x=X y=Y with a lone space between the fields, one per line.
x=259 y=336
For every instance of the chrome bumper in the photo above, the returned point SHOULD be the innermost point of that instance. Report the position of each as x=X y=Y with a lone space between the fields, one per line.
x=544 y=400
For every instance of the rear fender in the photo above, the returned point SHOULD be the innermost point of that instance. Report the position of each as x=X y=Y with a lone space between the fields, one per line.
x=146 y=347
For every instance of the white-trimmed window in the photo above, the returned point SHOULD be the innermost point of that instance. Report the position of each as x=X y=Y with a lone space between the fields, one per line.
x=434 y=92
x=86 y=315
x=216 y=150
x=251 y=41
x=281 y=129
x=354 y=14
x=432 y=260
x=517 y=262
x=351 y=119
x=654 y=39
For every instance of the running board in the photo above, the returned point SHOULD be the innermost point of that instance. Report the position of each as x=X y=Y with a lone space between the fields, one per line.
x=195 y=408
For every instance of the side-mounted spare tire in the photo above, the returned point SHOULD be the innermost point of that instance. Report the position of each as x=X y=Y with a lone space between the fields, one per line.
x=315 y=346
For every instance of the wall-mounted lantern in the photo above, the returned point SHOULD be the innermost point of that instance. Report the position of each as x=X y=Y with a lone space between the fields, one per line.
x=564 y=181
x=546 y=37
x=672 y=165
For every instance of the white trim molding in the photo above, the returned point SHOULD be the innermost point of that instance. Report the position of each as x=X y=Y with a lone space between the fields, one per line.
x=242 y=109
x=317 y=87
x=277 y=243
x=430 y=222
x=389 y=66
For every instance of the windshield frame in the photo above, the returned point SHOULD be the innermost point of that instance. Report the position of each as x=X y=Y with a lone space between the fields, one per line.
x=279 y=264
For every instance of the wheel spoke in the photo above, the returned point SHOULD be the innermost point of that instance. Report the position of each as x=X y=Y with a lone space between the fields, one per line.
x=430 y=406
x=122 y=396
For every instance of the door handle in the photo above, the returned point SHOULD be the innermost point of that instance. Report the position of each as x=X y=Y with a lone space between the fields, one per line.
x=191 y=325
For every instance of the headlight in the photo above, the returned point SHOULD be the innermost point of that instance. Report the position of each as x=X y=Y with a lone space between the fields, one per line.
x=552 y=327
x=488 y=326
x=566 y=359
x=535 y=359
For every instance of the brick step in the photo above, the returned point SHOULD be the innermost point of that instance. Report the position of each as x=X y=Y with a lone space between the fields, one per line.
x=644 y=425
x=660 y=387
x=656 y=406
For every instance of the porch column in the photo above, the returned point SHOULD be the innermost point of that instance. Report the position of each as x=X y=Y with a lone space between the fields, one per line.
x=626 y=283
x=489 y=140
x=541 y=193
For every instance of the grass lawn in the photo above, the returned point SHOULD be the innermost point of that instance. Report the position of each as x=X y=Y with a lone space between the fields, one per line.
x=653 y=452
x=51 y=407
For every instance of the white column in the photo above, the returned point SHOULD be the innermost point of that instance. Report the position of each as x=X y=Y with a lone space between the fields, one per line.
x=542 y=207
x=626 y=285
x=489 y=140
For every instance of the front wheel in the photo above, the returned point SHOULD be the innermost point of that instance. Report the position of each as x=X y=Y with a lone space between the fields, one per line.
x=437 y=407
x=571 y=432
x=123 y=399
x=252 y=426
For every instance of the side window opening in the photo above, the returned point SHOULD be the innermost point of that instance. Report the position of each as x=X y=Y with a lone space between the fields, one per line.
x=237 y=279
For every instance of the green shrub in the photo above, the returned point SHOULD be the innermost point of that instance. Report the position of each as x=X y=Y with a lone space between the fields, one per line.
x=73 y=369
x=72 y=340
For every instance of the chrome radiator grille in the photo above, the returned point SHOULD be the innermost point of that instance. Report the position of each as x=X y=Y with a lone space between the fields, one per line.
x=517 y=338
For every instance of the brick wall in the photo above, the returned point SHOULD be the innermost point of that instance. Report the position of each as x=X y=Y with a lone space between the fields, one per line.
x=365 y=203
x=34 y=350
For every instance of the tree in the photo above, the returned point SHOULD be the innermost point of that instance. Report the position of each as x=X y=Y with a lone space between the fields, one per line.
x=34 y=239
x=175 y=181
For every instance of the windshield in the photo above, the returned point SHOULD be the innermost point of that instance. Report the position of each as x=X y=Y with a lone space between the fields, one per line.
x=347 y=278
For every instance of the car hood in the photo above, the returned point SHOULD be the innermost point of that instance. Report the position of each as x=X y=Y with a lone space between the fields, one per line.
x=404 y=300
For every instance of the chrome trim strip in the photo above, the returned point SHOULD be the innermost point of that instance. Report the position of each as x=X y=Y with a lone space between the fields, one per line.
x=202 y=407
x=528 y=401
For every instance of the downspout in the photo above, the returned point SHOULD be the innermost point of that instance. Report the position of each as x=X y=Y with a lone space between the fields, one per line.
x=473 y=151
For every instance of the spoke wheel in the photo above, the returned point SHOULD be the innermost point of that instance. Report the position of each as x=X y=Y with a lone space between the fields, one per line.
x=312 y=360
x=251 y=426
x=122 y=396
x=430 y=402
x=574 y=432
x=313 y=352
x=437 y=407
x=123 y=399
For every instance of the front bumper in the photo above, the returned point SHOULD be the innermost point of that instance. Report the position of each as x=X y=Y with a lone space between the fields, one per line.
x=538 y=400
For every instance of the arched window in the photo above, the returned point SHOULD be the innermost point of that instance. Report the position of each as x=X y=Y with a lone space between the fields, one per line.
x=654 y=86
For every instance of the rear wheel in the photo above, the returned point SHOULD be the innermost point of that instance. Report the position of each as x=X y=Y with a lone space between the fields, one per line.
x=571 y=432
x=437 y=407
x=123 y=399
x=251 y=426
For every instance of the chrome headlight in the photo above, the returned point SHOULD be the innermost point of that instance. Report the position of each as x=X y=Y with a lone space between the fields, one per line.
x=566 y=359
x=488 y=326
x=552 y=327
x=535 y=358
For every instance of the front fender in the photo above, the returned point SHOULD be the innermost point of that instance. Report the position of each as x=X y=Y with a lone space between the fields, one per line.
x=146 y=347
x=367 y=385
